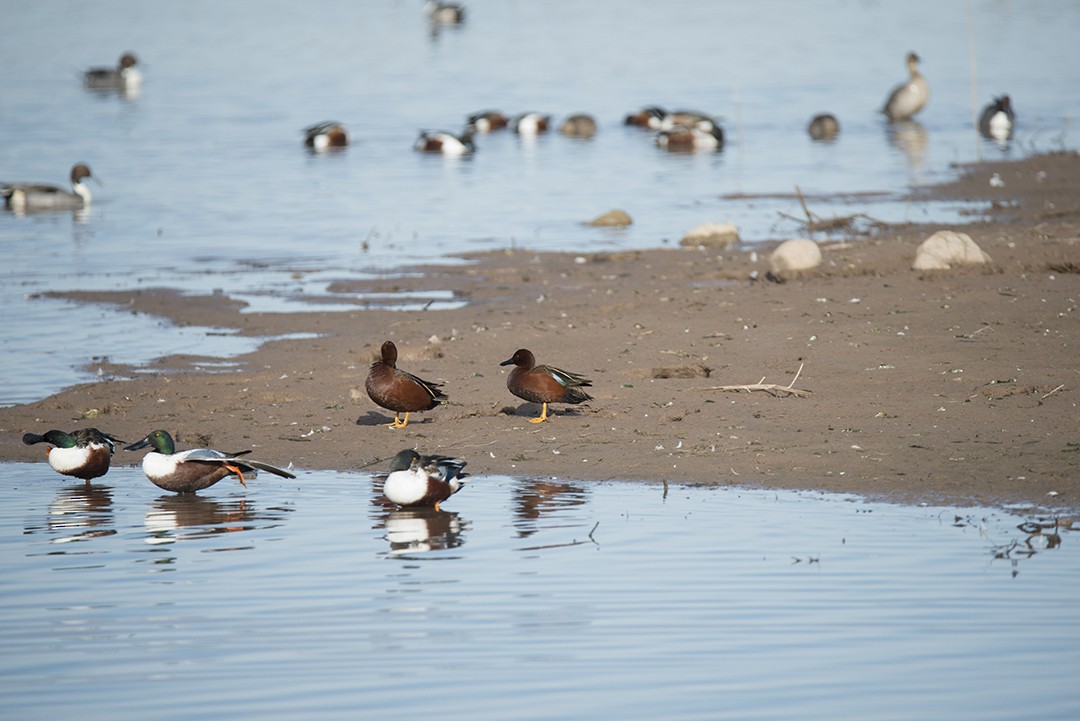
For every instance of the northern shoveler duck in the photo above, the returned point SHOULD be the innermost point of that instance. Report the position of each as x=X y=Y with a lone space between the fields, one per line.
x=417 y=480
x=85 y=453
x=440 y=141
x=323 y=136
x=687 y=118
x=444 y=13
x=125 y=76
x=691 y=137
x=648 y=117
x=823 y=127
x=28 y=197
x=579 y=125
x=543 y=384
x=910 y=97
x=532 y=123
x=397 y=390
x=450 y=468
x=997 y=119
x=488 y=120
x=196 y=469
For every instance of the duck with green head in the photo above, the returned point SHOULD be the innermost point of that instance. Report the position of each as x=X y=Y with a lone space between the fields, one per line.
x=85 y=453
x=195 y=469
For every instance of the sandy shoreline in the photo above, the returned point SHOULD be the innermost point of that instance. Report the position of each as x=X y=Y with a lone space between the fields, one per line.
x=955 y=387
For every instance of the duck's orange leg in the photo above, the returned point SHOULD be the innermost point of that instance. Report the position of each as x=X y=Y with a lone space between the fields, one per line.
x=238 y=472
x=398 y=423
x=542 y=418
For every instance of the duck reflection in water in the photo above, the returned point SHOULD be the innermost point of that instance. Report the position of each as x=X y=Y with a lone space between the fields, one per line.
x=910 y=138
x=183 y=517
x=534 y=499
x=80 y=513
x=420 y=530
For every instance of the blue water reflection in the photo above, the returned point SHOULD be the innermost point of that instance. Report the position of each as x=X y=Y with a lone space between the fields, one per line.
x=527 y=599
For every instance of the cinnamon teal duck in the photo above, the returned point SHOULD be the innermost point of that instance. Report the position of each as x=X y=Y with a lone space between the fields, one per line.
x=29 y=197
x=417 y=480
x=397 y=390
x=85 y=453
x=323 y=136
x=543 y=384
x=196 y=469
x=910 y=97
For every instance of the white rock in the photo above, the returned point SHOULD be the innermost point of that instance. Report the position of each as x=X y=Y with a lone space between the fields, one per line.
x=795 y=255
x=715 y=234
x=945 y=249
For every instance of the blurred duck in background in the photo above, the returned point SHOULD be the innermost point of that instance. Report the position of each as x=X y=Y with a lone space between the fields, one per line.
x=30 y=197
x=910 y=97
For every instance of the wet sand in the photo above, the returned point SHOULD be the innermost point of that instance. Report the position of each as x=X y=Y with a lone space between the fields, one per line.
x=955 y=386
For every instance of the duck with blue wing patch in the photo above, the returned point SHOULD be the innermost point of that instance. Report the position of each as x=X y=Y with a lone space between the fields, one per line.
x=196 y=469
x=543 y=384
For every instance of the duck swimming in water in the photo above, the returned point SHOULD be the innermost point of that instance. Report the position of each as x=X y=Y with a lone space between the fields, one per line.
x=323 y=136
x=997 y=119
x=30 y=197
x=125 y=76
x=908 y=98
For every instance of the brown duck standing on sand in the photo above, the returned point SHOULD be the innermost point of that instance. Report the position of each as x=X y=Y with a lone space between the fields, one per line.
x=398 y=391
x=543 y=384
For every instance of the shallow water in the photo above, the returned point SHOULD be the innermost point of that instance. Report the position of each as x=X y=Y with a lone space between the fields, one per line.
x=206 y=185
x=529 y=599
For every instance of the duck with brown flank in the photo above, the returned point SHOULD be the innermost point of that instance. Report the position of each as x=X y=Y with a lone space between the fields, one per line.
x=324 y=136
x=85 y=453
x=417 y=480
x=398 y=390
x=543 y=384
x=196 y=469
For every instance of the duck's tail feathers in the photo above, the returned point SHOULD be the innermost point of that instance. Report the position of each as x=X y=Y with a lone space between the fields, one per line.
x=260 y=466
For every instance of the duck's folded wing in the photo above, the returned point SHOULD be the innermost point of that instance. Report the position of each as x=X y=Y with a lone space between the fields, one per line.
x=201 y=454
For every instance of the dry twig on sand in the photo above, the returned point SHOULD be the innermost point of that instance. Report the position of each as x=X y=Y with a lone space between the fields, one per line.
x=772 y=389
x=815 y=222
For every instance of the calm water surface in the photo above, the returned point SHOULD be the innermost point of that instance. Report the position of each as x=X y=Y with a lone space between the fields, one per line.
x=525 y=599
x=206 y=185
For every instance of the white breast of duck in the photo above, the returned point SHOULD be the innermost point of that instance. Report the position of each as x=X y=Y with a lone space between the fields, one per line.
x=158 y=465
x=531 y=123
x=445 y=143
x=29 y=196
x=419 y=486
x=68 y=460
x=997 y=119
